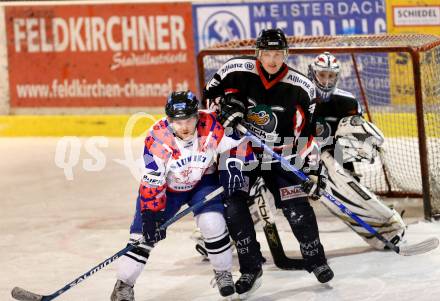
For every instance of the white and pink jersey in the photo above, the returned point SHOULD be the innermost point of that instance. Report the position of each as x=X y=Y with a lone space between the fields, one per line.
x=177 y=165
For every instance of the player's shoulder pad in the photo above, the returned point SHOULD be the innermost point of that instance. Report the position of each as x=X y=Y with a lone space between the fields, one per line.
x=209 y=130
x=160 y=140
x=207 y=121
x=296 y=78
x=159 y=127
x=238 y=64
x=339 y=92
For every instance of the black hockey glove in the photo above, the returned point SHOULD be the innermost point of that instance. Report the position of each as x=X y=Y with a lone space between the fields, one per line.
x=312 y=187
x=232 y=111
x=151 y=230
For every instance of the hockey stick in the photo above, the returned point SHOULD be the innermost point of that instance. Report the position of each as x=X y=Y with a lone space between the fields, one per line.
x=273 y=239
x=24 y=295
x=406 y=250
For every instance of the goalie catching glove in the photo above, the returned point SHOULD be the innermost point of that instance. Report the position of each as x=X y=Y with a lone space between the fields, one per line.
x=357 y=140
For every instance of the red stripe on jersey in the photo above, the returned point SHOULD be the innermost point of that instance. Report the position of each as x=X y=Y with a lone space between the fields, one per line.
x=231 y=90
x=308 y=149
x=269 y=84
x=299 y=120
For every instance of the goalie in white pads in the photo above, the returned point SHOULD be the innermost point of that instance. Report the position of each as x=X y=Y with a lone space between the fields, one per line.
x=355 y=140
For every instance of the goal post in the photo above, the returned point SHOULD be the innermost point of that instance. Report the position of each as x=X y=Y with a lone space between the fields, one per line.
x=396 y=78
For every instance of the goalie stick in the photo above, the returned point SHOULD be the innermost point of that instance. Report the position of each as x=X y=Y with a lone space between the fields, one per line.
x=405 y=250
x=24 y=295
x=280 y=258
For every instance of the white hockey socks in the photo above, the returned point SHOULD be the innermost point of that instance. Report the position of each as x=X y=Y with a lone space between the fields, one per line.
x=217 y=242
x=131 y=265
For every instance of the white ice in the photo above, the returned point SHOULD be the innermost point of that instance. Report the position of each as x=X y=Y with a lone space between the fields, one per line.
x=54 y=229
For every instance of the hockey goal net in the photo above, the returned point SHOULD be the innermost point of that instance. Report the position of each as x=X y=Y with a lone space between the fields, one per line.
x=397 y=80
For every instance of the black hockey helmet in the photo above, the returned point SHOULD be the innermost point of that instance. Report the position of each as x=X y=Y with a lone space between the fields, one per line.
x=271 y=39
x=181 y=105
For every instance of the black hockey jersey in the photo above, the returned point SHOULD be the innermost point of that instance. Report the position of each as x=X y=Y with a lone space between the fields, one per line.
x=328 y=114
x=279 y=107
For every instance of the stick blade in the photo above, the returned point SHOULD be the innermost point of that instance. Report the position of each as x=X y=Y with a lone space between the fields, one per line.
x=21 y=294
x=419 y=248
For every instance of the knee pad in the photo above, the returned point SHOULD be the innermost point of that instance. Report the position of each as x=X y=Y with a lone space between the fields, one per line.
x=236 y=206
x=215 y=234
x=297 y=212
x=216 y=237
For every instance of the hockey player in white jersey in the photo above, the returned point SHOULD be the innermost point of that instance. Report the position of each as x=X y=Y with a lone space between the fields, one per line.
x=180 y=167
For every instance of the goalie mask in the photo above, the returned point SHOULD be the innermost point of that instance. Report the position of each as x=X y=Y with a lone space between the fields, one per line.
x=324 y=72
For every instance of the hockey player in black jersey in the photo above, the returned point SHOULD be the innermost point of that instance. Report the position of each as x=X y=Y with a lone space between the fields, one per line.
x=355 y=140
x=277 y=104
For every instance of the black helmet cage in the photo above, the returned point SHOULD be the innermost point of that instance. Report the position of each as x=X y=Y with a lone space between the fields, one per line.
x=271 y=39
x=181 y=105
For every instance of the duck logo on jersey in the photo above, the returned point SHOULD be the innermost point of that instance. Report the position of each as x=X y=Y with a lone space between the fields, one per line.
x=221 y=27
x=263 y=121
x=259 y=118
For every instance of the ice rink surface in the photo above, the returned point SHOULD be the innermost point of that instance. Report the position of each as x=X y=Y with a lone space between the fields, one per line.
x=54 y=229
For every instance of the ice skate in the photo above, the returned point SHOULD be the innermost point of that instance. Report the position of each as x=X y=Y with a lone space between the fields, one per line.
x=323 y=273
x=225 y=284
x=248 y=283
x=122 y=292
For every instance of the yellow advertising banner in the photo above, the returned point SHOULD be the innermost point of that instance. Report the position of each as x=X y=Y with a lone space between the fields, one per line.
x=413 y=16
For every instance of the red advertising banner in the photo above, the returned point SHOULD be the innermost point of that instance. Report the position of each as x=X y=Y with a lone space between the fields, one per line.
x=99 y=55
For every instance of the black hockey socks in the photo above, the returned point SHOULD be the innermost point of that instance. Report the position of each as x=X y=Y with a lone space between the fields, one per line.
x=302 y=221
x=241 y=229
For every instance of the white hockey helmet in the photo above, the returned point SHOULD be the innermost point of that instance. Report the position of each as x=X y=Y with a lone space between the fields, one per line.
x=324 y=72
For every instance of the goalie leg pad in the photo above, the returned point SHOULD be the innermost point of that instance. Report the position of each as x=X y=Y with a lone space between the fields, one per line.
x=358 y=199
x=216 y=237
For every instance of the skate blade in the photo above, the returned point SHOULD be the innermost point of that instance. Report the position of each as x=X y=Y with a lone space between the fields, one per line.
x=248 y=294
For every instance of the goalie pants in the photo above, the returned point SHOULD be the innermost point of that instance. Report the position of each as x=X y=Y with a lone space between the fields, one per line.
x=289 y=197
